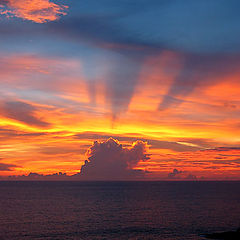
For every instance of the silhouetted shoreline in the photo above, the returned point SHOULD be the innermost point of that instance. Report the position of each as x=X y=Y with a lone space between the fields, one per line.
x=230 y=235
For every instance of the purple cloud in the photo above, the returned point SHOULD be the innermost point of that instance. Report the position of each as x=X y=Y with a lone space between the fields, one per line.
x=109 y=160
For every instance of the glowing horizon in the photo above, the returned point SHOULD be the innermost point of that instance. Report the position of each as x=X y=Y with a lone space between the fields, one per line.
x=74 y=73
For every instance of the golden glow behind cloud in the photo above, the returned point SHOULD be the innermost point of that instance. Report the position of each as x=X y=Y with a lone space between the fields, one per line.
x=99 y=73
x=51 y=130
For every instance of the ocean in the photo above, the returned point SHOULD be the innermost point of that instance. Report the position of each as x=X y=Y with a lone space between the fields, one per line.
x=117 y=210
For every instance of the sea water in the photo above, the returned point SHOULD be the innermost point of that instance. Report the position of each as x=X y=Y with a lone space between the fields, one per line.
x=117 y=210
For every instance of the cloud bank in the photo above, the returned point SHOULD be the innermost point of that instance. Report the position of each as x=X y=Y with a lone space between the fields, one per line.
x=22 y=112
x=109 y=160
x=39 y=11
x=6 y=167
x=181 y=175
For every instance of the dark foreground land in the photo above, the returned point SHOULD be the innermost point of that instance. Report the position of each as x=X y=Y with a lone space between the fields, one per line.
x=231 y=235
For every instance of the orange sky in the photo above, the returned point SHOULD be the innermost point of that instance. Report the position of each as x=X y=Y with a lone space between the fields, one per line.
x=58 y=128
x=52 y=107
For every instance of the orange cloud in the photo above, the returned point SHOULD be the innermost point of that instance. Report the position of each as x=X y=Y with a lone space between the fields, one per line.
x=49 y=119
x=217 y=163
x=39 y=11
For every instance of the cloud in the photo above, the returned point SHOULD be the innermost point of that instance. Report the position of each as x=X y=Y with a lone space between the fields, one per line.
x=109 y=160
x=175 y=174
x=199 y=71
x=181 y=175
x=22 y=112
x=6 y=167
x=222 y=149
x=116 y=29
x=191 y=177
x=155 y=144
x=39 y=177
x=5 y=132
x=39 y=11
x=181 y=25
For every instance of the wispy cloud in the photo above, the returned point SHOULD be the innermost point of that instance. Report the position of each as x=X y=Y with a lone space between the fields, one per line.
x=164 y=72
x=22 y=112
x=181 y=175
x=6 y=167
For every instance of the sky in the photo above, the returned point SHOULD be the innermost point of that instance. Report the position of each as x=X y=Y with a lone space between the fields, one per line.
x=119 y=90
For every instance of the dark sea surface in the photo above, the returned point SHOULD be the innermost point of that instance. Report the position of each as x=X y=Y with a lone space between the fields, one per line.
x=117 y=210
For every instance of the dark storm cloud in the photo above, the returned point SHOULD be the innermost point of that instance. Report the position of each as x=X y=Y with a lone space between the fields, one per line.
x=22 y=112
x=109 y=160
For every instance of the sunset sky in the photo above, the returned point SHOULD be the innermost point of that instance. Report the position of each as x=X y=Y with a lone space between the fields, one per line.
x=160 y=77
